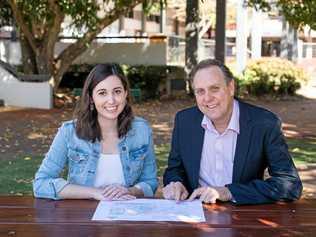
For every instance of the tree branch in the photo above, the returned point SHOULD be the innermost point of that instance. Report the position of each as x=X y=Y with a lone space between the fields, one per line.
x=19 y=19
x=51 y=36
x=64 y=60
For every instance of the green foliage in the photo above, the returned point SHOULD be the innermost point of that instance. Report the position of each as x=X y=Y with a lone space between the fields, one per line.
x=297 y=13
x=84 y=13
x=259 y=4
x=151 y=7
x=272 y=76
x=41 y=22
x=146 y=78
x=150 y=79
x=5 y=14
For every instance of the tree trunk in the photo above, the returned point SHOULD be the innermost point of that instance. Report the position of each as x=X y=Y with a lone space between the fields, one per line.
x=58 y=76
x=191 y=35
x=220 y=35
x=283 y=42
x=292 y=44
x=143 y=19
x=56 y=80
x=42 y=62
x=28 y=57
x=38 y=49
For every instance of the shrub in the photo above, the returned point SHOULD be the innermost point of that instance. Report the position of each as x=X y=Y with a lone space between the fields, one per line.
x=76 y=76
x=272 y=76
x=148 y=78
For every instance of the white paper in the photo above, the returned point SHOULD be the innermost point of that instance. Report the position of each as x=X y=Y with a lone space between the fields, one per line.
x=150 y=210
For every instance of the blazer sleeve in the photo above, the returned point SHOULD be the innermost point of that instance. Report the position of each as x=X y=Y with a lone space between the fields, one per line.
x=283 y=183
x=175 y=169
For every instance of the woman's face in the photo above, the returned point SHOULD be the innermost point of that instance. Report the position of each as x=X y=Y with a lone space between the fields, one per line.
x=109 y=97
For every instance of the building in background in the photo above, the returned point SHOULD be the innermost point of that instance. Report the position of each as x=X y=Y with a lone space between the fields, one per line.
x=167 y=26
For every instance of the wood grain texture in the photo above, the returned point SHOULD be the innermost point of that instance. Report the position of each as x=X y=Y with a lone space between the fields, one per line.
x=26 y=216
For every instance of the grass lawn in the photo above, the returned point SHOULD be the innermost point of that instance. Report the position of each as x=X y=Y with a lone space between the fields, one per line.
x=16 y=175
x=303 y=151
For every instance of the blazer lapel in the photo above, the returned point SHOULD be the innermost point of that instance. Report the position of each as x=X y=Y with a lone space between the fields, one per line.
x=197 y=138
x=243 y=141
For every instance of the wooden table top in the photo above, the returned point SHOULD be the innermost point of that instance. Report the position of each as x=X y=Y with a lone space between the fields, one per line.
x=26 y=216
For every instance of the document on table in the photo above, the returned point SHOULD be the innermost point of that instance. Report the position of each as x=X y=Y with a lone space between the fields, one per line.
x=150 y=210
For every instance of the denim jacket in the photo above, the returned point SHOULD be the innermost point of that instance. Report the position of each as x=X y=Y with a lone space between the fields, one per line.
x=81 y=157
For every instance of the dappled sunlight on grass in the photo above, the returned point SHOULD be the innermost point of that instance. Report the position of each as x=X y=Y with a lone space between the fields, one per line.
x=162 y=127
x=16 y=175
x=302 y=150
x=162 y=152
x=35 y=135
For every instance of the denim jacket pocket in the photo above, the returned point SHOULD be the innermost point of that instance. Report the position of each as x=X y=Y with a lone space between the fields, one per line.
x=138 y=154
x=137 y=158
x=77 y=161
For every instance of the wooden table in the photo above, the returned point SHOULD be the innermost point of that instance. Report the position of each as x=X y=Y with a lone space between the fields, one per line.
x=26 y=216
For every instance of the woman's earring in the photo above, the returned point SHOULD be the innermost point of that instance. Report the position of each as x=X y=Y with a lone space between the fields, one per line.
x=91 y=106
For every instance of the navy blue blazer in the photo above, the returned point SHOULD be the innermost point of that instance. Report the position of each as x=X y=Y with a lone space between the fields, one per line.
x=260 y=145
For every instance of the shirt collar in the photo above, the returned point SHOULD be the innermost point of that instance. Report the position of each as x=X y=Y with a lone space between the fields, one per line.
x=234 y=120
x=233 y=123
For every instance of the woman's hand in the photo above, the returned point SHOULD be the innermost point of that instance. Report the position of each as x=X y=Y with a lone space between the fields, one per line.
x=97 y=194
x=117 y=192
x=111 y=192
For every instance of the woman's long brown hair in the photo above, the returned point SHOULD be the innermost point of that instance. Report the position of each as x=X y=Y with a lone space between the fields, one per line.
x=86 y=117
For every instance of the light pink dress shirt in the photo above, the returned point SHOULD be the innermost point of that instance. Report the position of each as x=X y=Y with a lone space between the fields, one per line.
x=216 y=168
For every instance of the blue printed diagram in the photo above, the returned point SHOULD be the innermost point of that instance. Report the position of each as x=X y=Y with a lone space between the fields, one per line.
x=150 y=210
x=132 y=209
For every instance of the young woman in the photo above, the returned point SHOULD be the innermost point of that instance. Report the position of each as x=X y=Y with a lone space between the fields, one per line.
x=108 y=152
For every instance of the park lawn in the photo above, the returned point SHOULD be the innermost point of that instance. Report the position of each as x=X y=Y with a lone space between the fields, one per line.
x=303 y=151
x=16 y=175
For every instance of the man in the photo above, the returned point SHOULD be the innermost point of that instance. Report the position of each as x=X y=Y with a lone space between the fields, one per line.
x=221 y=148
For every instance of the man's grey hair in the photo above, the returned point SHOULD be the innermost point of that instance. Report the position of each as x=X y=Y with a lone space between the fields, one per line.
x=228 y=75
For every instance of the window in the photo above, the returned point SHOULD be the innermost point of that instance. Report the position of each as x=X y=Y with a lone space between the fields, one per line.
x=154 y=18
x=130 y=14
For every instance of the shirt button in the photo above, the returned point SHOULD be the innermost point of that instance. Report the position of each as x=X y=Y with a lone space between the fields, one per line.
x=218 y=146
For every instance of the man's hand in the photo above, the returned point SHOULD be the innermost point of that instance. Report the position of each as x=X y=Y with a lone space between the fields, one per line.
x=175 y=191
x=211 y=194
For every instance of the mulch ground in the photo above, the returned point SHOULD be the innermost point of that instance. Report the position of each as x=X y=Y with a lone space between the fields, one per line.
x=30 y=131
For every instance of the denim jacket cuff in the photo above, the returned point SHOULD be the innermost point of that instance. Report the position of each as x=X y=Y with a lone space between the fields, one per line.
x=148 y=192
x=58 y=185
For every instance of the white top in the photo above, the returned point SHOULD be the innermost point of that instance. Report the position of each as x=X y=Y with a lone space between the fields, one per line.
x=109 y=171
x=218 y=151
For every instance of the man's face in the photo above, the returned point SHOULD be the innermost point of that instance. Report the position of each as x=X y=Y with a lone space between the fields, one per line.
x=214 y=97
